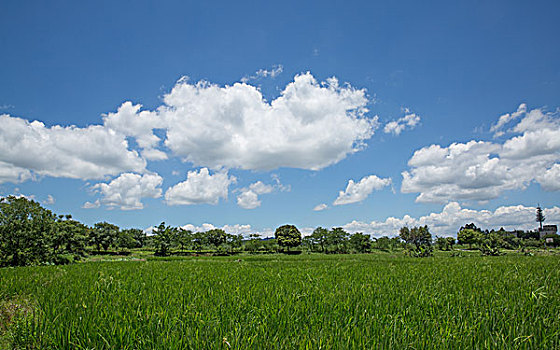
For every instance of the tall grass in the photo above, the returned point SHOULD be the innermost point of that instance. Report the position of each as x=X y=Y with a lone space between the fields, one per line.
x=291 y=302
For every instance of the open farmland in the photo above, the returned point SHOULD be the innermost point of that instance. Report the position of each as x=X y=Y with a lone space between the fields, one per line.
x=290 y=302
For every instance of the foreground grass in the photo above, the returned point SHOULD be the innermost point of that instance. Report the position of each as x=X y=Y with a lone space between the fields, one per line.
x=290 y=302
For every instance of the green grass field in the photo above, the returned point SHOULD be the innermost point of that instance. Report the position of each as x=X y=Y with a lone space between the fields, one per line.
x=286 y=302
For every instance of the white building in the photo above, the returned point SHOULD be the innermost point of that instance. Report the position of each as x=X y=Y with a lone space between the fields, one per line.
x=547 y=229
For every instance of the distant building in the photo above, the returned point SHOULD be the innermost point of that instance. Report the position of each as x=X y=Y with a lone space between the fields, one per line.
x=547 y=230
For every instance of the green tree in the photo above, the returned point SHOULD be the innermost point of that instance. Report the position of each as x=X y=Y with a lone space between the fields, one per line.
x=336 y=240
x=419 y=239
x=164 y=236
x=69 y=237
x=469 y=236
x=216 y=237
x=234 y=241
x=360 y=242
x=183 y=238
x=198 y=240
x=490 y=243
x=444 y=243
x=103 y=235
x=318 y=238
x=254 y=243
x=26 y=231
x=540 y=216
x=288 y=236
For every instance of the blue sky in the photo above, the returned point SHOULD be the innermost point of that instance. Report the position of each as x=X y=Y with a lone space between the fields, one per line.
x=421 y=90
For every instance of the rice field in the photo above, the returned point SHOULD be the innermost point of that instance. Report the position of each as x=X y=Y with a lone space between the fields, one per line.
x=286 y=302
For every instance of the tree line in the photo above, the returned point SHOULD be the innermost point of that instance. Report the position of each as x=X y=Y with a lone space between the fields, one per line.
x=31 y=234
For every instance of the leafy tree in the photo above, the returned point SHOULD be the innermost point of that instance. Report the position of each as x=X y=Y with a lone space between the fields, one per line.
x=133 y=238
x=183 y=238
x=164 y=236
x=234 y=241
x=198 y=240
x=336 y=240
x=540 y=216
x=125 y=240
x=69 y=237
x=288 y=236
x=318 y=238
x=419 y=238
x=469 y=236
x=444 y=243
x=26 y=231
x=360 y=242
x=216 y=237
x=490 y=244
x=103 y=235
x=254 y=243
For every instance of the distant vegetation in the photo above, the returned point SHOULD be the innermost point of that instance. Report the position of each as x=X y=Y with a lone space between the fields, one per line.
x=33 y=235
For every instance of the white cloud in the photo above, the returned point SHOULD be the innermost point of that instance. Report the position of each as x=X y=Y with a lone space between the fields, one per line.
x=82 y=153
x=358 y=191
x=264 y=73
x=127 y=190
x=92 y=205
x=130 y=121
x=14 y=174
x=248 y=200
x=49 y=200
x=237 y=229
x=453 y=216
x=310 y=126
x=550 y=179
x=395 y=127
x=480 y=170
x=249 y=197
x=507 y=118
x=320 y=207
x=200 y=187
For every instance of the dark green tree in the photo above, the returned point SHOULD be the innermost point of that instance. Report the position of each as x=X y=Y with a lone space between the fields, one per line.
x=360 y=242
x=469 y=236
x=418 y=239
x=26 y=231
x=444 y=243
x=336 y=240
x=69 y=237
x=164 y=236
x=234 y=241
x=540 y=216
x=318 y=239
x=183 y=238
x=288 y=236
x=254 y=243
x=216 y=237
x=103 y=235
x=198 y=240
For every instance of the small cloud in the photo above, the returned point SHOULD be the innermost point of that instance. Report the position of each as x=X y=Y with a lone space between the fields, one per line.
x=249 y=197
x=200 y=187
x=320 y=207
x=49 y=200
x=264 y=73
x=90 y=205
x=506 y=119
x=358 y=191
x=409 y=121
